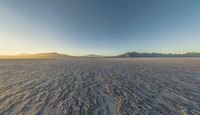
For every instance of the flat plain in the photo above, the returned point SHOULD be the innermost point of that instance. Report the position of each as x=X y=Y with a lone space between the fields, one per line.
x=100 y=86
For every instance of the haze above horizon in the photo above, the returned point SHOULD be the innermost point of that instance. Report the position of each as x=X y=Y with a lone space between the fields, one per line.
x=103 y=27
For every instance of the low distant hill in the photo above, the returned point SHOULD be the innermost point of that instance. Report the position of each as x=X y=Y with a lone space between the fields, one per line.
x=136 y=54
x=93 y=55
x=39 y=55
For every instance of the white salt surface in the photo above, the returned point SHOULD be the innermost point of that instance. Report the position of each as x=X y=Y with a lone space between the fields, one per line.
x=100 y=86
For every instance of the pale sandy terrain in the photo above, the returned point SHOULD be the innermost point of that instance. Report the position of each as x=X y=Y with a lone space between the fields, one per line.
x=100 y=86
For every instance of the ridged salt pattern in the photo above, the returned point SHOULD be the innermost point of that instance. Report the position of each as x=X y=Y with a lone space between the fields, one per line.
x=100 y=86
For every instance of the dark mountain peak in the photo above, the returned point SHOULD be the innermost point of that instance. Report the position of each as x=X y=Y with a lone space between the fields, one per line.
x=136 y=54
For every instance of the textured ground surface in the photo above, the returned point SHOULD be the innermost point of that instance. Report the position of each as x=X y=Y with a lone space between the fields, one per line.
x=100 y=86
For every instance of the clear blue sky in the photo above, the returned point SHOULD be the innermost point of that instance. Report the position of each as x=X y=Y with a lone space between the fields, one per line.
x=104 y=27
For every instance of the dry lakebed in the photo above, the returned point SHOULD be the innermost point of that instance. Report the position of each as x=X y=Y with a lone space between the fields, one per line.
x=100 y=86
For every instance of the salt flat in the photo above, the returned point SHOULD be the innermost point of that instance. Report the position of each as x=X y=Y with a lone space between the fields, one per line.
x=100 y=86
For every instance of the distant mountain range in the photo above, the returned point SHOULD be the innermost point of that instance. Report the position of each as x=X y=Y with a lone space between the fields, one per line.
x=125 y=55
x=136 y=54
x=39 y=55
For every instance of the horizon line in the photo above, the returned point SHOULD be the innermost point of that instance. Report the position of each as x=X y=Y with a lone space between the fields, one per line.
x=96 y=54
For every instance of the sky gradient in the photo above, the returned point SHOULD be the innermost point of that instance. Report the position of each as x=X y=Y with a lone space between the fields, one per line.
x=103 y=27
